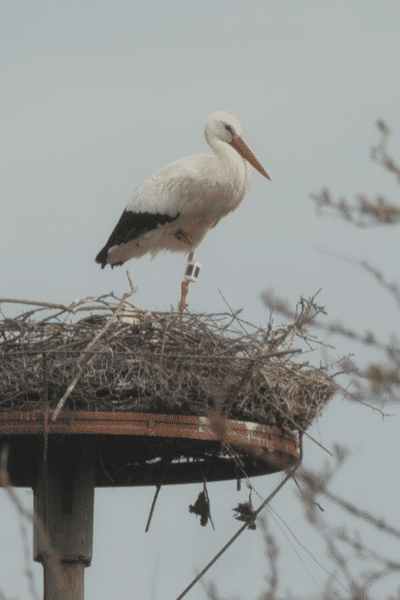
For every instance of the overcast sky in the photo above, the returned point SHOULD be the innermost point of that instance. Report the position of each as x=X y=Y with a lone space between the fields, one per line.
x=95 y=97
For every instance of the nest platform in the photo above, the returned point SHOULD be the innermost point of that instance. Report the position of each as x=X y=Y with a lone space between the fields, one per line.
x=210 y=392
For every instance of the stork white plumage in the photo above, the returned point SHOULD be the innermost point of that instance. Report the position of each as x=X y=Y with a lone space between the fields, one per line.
x=175 y=208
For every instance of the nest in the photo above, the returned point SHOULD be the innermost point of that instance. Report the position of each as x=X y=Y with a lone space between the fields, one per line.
x=119 y=358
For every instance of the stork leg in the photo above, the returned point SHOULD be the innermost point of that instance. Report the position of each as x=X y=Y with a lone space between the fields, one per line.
x=184 y=290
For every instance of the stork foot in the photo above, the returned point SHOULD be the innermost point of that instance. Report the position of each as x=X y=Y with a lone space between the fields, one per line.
x=182 y=237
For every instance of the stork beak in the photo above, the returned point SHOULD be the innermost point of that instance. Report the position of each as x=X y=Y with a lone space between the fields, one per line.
x=247 y=154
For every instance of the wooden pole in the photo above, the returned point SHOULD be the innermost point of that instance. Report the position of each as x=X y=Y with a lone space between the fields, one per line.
x=64 y=502
x=70 y=586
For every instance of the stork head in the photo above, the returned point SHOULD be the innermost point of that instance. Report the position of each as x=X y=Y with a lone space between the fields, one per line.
x=225 y=127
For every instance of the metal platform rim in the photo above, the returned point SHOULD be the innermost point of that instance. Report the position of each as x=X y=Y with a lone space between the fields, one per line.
x=243 y=433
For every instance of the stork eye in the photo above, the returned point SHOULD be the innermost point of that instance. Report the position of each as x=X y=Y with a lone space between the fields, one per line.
x=229 y=128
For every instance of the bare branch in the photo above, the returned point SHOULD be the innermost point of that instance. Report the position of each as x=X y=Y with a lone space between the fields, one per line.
x=365 y=212
x=379 y=153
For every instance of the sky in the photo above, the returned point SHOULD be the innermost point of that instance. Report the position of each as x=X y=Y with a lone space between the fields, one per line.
x=95 y=97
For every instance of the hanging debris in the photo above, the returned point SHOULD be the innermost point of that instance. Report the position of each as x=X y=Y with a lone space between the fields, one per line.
x=201 y=508
x=245 y=512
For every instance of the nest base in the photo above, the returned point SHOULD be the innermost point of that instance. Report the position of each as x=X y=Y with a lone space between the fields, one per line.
x=138 y=449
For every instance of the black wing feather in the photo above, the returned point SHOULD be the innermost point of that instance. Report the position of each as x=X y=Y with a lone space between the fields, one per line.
x=131 y=226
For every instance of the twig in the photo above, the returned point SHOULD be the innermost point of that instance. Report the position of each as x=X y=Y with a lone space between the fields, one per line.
x=159 y=484
x=37 y=303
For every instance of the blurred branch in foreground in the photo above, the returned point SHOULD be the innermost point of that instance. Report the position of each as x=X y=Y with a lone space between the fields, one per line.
x=360 y=565
x=366 y=212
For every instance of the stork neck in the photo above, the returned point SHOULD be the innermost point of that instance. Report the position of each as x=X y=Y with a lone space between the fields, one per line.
x=228 y=155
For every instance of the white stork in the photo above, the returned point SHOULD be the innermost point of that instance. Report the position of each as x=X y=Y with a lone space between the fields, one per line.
x=175 y=208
